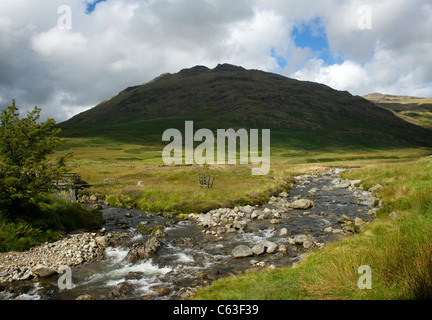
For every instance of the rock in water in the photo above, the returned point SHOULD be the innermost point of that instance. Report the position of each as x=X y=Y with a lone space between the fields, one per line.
x=344 y=219
x=148 y=250
x=283 y=232
x=307 y=244
x=300 y=238
x=103 y=241
x=43 y=272
x=270 y=246
x=241 y=251
x=258 y=249
x=302 y=204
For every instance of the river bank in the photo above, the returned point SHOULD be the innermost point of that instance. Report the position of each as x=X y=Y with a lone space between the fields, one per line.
x=192 y=253
x=72 y=250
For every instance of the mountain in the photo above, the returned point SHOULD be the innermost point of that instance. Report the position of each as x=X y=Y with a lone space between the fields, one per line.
x=299 y=113
x=412 y=109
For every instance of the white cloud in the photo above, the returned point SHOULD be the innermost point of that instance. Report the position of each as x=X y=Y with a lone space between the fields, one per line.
x=59 y=44
x=393 y=57
x=346 y=76
x=250 y=42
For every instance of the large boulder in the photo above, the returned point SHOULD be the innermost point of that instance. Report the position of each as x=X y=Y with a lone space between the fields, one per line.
x=265 y=246
x=305 y=240
x=302 y=204
x=241 y=251
x=43 y=271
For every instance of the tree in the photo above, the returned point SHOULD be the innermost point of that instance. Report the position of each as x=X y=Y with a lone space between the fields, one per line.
x=25 y=170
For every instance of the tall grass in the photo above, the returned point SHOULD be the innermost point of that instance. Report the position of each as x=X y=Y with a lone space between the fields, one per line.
x=187 y=196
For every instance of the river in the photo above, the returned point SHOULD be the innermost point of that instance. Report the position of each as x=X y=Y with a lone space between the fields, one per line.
x=190 y=257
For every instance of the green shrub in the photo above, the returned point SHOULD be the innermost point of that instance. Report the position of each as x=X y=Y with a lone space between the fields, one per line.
x=47 y=220
x=20 y=236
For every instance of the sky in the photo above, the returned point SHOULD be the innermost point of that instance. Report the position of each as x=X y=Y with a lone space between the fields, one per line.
x=66 y=56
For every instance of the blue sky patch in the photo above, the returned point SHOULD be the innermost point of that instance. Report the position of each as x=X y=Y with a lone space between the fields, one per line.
x=313 y=35
x=282 y=63
x=91 y=5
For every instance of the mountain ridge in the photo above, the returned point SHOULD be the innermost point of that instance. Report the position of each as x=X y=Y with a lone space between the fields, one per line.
x=233 y=96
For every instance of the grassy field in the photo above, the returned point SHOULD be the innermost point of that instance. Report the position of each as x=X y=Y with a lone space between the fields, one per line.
x=134 y=175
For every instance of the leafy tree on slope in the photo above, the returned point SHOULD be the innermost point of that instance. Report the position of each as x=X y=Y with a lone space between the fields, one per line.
x=25 y=170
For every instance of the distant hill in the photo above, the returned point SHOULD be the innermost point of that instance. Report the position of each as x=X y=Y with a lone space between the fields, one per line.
x=413 y=109
x=300 y=113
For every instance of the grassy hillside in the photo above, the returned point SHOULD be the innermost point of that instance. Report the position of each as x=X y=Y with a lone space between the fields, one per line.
x=300 y=114
x=412 y=109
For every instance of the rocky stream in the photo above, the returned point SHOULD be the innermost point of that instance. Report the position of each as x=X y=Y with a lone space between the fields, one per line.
x=143 y=255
